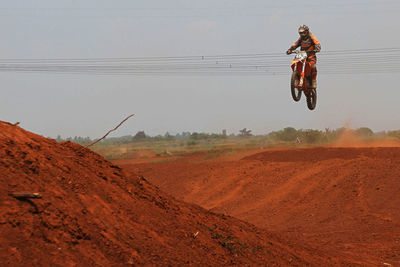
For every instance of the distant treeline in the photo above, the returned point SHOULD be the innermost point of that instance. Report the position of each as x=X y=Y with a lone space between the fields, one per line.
x=141 y=136
x=311 y=136
x=288 y=134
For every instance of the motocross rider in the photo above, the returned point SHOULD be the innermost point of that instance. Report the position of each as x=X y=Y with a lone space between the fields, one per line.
x=309 y=43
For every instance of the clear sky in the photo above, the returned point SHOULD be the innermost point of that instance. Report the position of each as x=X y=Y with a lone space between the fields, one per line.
x=90 y=105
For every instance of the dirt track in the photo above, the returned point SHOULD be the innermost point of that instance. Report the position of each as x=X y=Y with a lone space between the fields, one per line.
x=343 y=200
x=93 y=213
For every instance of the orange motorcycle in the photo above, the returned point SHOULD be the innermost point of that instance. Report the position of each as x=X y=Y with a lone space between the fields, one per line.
x=301 y=79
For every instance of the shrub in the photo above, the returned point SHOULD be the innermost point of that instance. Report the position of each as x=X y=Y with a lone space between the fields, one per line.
x=364 y=131
x=191 y=142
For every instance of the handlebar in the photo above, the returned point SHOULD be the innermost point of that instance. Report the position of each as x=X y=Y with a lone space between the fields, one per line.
x=300 y=51
x=297 y=52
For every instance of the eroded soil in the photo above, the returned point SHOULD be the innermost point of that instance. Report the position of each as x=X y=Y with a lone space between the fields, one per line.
x=343 y=200
x=93 y=213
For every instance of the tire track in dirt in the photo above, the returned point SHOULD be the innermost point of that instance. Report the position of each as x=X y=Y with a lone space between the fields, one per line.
x=344 y=198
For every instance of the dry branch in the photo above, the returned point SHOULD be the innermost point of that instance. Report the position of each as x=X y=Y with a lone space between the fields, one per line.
x=110 y=131
x=25 y=195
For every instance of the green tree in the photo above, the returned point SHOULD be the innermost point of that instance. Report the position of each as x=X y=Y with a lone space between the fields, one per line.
x=245 y=133
x=311 y=136
x=364 y=131
x=139 y=136
x=168 y=136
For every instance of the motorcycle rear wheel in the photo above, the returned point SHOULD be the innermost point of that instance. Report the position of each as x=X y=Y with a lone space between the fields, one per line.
x=312 y=99
x=294 y=81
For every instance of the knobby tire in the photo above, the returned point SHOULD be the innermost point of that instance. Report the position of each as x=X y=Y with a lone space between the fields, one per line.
x=296 y=93
x=312 y=99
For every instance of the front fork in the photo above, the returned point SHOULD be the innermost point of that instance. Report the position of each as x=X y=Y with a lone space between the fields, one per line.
x=302 y=74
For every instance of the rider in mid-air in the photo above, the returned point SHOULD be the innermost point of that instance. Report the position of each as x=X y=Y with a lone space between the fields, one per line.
x=309 y=43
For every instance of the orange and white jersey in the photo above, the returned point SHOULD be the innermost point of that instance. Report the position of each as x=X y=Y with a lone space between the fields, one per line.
x=309 y=44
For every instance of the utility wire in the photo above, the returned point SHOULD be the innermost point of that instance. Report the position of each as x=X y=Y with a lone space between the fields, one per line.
x=214 y=57
x=351 y=61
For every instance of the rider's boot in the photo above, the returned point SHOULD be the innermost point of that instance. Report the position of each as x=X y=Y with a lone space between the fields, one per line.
x=314 y=84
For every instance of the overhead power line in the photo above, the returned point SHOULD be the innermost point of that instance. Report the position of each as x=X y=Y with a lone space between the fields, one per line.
x=354 y=61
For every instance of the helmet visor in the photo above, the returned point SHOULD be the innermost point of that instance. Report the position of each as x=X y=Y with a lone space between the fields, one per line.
x=302 y=32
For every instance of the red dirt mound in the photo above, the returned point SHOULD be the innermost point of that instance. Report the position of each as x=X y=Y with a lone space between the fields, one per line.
x=91 y=213
x=344 y=199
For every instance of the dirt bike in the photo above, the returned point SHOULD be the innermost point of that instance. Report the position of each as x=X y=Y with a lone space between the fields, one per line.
x=301 y=79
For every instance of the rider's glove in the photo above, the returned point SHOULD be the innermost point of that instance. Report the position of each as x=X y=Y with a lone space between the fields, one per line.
x=288 y=52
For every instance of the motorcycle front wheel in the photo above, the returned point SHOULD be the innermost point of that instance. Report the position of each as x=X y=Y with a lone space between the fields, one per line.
x=294 y=81
x=312 y=99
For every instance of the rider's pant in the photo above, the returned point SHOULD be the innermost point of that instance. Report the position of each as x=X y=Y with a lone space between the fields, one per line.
x=313 y=70
x=312 y=60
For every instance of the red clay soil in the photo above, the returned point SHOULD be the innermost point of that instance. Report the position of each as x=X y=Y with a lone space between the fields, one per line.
x=93 y=214
x=343 y=200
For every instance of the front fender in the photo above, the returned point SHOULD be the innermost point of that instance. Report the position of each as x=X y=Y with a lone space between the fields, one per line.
x=299 y=65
